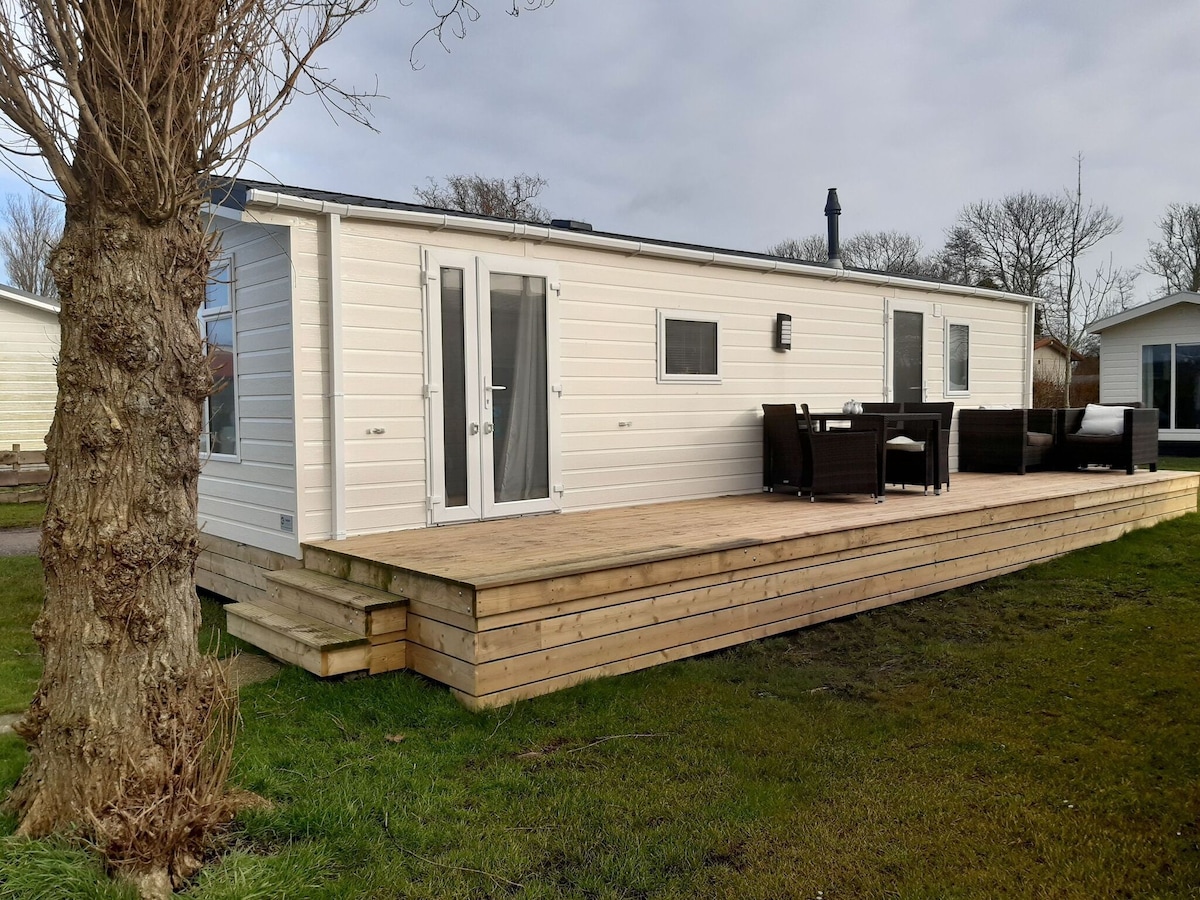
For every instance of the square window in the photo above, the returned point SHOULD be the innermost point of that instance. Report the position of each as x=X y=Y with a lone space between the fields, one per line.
x=689 y=347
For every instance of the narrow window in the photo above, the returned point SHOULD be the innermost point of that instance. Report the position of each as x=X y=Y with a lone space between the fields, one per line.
x=219 y=426
x=958 y=358
x=1156 y=381
x=689 y=347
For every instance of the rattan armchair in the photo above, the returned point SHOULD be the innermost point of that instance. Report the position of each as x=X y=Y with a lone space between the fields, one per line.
x=812 y=462
x=1137 y=445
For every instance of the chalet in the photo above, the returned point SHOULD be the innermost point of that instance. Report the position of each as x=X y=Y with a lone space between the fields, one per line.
x=28 y=385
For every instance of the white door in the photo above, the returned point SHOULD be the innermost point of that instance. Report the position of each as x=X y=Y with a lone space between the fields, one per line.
x=492 y=399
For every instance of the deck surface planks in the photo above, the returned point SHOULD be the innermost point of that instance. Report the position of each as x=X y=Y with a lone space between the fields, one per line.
x=519 y=607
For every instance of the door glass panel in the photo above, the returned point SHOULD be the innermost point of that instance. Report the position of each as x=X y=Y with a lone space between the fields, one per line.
x=907 y=362
x=1187 y=385
x=454 y=388
x=222 y=409
x=1156 y=381
x=520 y=455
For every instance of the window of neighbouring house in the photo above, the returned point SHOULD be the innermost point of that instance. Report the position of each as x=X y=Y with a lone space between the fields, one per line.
x=958 y=358
x=218 y=435
x=689 y=346
x=1171 y=383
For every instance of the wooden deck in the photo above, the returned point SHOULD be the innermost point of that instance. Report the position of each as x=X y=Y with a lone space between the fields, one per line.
x=509 y=609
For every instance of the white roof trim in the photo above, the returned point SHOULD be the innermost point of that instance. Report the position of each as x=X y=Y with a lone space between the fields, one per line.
x=43 y=303
x=632 y=247
x=1144 y=310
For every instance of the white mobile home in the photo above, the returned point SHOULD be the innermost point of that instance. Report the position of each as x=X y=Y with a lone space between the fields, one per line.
x=1151 y=353
x=28 y=380
x=386 y=366
x=391 y=366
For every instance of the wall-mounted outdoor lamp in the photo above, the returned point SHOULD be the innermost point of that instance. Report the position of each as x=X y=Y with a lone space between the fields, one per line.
x=783 y=331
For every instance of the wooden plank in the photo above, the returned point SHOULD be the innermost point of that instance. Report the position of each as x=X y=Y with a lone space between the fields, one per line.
x=363 y=610
x=255 y=556
x=324 y=663
x=24 y=477
x=388 y=657
x=296 y=626
x=234 y=569
x=227 y=587
x=22 y=457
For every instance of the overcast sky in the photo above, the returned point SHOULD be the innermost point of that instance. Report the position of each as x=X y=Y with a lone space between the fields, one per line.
x=723 y=123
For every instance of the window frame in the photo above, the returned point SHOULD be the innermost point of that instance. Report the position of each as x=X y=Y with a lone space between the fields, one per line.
x=682 y=315
x=1172 y=381
x=224 y=262
x=948 y=390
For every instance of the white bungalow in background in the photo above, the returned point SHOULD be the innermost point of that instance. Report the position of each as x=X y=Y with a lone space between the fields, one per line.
x=1152 y=353
x=28 y=379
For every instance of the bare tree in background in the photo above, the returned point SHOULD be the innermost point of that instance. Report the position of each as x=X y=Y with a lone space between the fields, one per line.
x=30 y=226
x=132 y=106
x=1074 y=304
x=813 y=248
x=1023 y=242
x=885 y=251
x=1176 y=258
x=504 y=198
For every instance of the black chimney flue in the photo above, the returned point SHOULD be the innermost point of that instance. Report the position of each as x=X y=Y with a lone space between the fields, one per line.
x=833 y=209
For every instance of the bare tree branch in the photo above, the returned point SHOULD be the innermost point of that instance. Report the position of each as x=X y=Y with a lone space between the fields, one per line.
x=1176 y=258
x=511 y=198
x=31 y=227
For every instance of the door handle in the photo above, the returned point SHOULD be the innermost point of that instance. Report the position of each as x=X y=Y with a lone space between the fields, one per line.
x=488 y=427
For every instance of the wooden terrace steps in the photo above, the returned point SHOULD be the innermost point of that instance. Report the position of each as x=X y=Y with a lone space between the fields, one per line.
x=325 y=625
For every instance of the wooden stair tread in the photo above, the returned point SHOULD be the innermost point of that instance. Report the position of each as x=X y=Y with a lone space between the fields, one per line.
x=337 y=590
x=300 y=628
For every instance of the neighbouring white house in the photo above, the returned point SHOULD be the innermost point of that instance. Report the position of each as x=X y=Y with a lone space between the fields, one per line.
x=385 y=366
x=28 y=385
x=1050 y=360
x=1152 y=353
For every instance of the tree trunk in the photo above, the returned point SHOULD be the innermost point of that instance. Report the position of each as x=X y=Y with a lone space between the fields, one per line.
x=130 y=728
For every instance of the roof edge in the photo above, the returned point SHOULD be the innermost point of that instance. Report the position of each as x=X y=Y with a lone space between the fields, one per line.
x=7 y=292
x=1145 y=309
x=246 y=195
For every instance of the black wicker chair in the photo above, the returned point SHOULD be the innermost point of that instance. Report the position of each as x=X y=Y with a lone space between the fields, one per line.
x=1137 y=445
x=946 y=411
x=1005 y=440
x=805 y=460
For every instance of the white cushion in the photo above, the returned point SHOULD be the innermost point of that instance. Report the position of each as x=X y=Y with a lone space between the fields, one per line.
x=1103 y=421
x=907 y=444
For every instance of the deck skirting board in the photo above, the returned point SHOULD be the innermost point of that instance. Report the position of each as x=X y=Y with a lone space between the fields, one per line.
x=237 y=571
x=529 y=651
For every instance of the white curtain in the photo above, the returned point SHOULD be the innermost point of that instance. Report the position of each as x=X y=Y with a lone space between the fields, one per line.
x=519 y=363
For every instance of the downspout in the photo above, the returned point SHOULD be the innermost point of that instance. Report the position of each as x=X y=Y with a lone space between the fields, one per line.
x=337 y=397
x=1030 y=321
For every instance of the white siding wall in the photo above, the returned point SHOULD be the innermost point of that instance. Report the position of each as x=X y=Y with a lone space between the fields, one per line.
x=1121 y=354
x=28 y=346
x=244 y=500
x=682 y=440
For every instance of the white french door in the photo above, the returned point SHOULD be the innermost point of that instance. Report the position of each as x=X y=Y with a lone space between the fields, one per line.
x=490 y=386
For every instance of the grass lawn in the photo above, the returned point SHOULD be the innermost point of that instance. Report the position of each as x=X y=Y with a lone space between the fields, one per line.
x=1035 y=736
x=21 y=515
